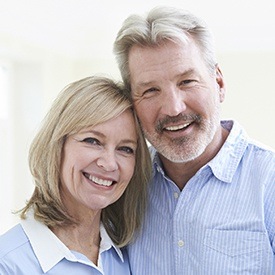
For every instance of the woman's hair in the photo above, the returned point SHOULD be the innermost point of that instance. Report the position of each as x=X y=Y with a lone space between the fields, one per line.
x=162 y=24
x=85 y=103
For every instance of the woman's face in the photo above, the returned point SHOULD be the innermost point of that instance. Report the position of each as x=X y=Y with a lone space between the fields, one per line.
x=98 y=163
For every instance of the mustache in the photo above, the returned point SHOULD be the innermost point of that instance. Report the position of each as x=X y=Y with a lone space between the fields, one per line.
x=175 y=119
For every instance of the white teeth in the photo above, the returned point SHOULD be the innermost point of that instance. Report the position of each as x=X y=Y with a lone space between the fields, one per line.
x=178 y=127
x=100 y=181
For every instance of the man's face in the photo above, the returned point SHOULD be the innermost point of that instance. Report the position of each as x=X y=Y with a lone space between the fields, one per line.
x=176 y=98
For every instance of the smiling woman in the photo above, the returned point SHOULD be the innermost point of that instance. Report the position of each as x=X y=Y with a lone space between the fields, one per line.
x=91 y=165
x=98 y=164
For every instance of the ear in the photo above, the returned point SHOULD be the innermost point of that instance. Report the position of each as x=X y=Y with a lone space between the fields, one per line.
x=220 y=83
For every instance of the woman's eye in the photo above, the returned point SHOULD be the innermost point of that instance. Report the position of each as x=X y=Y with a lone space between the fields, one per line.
x=91 y=140
x=127 y=150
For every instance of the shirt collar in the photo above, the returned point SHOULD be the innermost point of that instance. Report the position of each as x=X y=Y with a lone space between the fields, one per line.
x=157 y=164
x=225 y=163
x=43 y=240
x=106 y=243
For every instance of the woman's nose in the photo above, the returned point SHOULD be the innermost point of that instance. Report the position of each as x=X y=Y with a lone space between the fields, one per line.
x=107 y=161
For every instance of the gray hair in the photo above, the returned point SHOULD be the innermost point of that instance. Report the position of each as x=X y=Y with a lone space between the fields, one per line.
x=160 y=24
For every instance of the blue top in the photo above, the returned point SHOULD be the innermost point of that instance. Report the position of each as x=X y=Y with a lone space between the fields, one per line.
x=221 y=223
x=31 y=248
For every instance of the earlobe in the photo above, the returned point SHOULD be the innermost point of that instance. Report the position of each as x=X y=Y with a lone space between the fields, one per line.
x=220 y=83
x=222 y=95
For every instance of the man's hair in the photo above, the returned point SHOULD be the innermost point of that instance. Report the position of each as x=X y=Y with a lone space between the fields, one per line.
x=162 y=24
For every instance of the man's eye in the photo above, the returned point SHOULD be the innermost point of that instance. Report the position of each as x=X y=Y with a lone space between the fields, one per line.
x=187 y=81
x=127 y=150
x=91 y=140
x=148 y=91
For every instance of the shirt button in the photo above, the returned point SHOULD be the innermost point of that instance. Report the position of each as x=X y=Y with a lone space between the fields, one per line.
x=176 y=195
x=180 y=243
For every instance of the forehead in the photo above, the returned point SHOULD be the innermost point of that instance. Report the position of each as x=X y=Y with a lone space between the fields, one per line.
x=125 y=121
x=159 y=53
x=146 y=62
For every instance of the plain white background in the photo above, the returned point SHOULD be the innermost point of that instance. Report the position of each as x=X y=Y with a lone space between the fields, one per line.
x=44 y=45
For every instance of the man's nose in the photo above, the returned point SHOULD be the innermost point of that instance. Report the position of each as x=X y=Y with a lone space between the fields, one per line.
x=173 y=102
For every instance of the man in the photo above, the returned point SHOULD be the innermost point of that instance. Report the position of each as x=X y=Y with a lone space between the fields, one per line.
x=211 y=208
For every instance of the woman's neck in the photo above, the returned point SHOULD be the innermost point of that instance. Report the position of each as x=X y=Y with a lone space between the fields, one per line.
x=83 y=237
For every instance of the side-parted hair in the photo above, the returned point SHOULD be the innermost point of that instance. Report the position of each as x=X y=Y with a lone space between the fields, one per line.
x=159 y=25
x=85 y=103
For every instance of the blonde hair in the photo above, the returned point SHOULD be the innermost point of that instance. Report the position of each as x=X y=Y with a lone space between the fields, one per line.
x=159 y=25
x=85 y=103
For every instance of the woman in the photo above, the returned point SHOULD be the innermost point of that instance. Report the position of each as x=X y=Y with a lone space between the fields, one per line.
x=90 y=164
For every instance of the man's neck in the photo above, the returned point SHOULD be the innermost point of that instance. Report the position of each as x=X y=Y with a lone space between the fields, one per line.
x=181 y=173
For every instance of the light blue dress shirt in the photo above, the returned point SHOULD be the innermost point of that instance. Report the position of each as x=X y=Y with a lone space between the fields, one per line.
x=31 y=248
x=221 y=223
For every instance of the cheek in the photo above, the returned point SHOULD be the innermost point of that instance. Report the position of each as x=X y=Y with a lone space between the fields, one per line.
x=202 y=103
x=67 y=174
x=128 y=170
x=65 y=167
x=71 y=167
x=147 y=113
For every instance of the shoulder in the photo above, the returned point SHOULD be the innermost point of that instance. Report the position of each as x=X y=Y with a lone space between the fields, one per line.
x=260 y=154
x=12 y=240
x=247 y=159
x=251 y=150
x=258 y=165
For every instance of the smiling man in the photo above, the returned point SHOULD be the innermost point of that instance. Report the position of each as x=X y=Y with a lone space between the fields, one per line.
x=212 y=206
x=177 y=100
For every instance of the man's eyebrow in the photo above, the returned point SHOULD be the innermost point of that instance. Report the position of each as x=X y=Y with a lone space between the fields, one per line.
x=187 y=72
x=145 y=84
x=152 y=83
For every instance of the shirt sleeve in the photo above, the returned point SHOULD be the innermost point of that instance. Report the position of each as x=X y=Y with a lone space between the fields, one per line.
x=3 y=269
x=269 y=200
